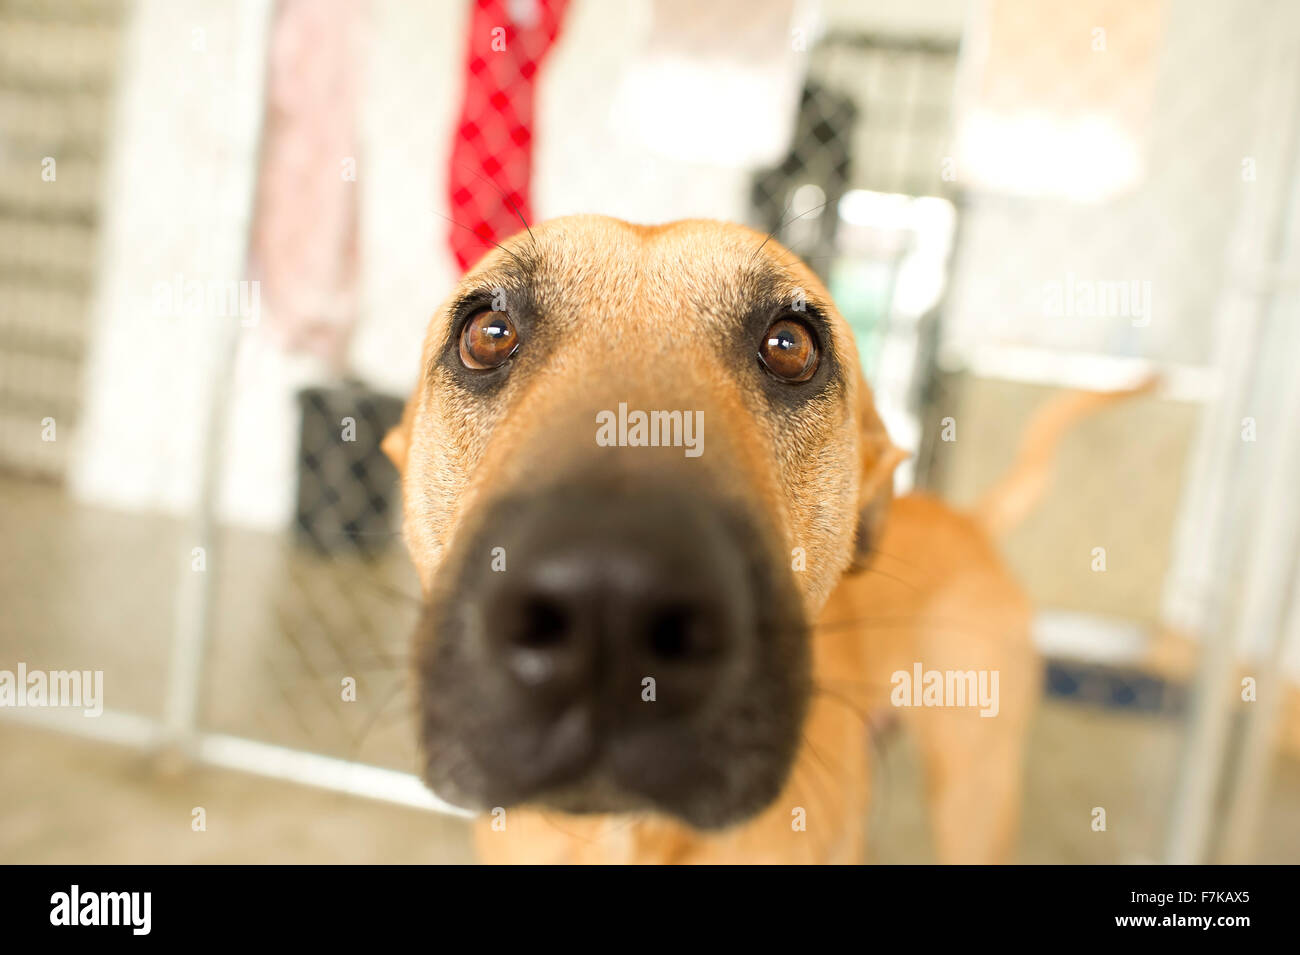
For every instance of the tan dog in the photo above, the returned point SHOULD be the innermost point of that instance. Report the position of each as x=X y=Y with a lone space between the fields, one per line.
x=648 y=498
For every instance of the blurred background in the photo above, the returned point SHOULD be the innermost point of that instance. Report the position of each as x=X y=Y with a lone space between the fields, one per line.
x=224 y=226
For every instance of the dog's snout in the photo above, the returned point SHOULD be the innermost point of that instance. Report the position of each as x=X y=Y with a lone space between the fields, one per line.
x=635 y=608
x=606 y=649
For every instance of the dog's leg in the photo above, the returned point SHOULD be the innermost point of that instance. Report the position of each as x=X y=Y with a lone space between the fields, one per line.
x=973 y=762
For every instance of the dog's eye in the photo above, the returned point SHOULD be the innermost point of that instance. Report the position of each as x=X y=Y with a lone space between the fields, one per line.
x=487 y=340
x=789 y=350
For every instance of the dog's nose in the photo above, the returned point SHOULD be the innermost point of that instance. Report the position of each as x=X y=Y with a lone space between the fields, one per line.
x=637 y=607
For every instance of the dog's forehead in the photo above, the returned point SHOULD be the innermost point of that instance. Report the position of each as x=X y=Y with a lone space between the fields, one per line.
x=703 y=269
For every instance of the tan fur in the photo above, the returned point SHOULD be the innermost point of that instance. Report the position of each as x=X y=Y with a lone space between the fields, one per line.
x=630 y=302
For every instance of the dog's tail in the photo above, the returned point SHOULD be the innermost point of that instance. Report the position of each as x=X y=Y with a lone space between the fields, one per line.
x=1018 y=491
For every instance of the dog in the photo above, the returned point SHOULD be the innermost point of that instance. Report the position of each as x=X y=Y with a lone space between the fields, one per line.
x=629 y=652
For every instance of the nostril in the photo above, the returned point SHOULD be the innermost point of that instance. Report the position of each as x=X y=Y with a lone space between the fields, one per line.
x=543 y=625
x=678 y=634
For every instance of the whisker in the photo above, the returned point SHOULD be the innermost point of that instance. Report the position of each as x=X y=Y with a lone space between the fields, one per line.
x=487 y=242
x=865 y=685
x=876 y=552
x=875 y=738
x=931 y=624
x=915 y=588
x=863 y=716
x=774 y=231
x=504 y=198
x=771 y=235
x=821 y=760
x=547 y=818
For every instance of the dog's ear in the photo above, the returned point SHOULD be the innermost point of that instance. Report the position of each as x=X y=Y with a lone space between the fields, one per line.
x=879 y=458
x=397 y=440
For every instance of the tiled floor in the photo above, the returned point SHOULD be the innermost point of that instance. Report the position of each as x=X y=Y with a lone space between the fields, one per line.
x=65 y=800
x=69 y=800
x=85 y=588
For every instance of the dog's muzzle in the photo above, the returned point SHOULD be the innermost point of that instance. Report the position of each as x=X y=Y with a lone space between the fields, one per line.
x=614 y=649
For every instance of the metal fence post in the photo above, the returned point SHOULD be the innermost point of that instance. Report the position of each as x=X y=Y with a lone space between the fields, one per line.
x=195 y=590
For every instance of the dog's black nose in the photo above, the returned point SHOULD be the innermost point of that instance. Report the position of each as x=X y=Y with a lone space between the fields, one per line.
x=614 y=649
x=635 y=607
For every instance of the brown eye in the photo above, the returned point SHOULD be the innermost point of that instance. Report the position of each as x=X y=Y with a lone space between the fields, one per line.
x=789 y=350
x=488 y=339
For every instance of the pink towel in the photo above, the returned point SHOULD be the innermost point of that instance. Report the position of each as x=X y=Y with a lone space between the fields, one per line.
x=304 y=243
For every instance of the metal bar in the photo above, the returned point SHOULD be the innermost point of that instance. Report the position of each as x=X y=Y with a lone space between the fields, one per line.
x=323 y=772
x=245 y=755
x=1252 y=771
x=111 y=726
x=1259 y=240
x=195 y=591
x=1271 y=607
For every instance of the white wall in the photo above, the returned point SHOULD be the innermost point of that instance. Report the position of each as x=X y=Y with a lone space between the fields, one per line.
x=1170 y=230
x=176 y=203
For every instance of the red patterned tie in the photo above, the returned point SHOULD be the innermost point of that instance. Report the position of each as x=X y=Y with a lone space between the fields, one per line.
x=493 y=149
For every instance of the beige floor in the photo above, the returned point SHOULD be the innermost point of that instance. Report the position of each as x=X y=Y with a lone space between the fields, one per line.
x=87 y=588
x=67 y=800
x=64 y=800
